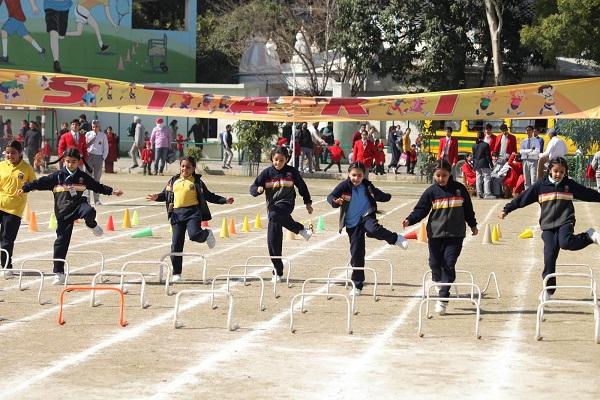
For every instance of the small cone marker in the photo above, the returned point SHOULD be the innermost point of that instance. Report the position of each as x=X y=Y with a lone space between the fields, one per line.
x=499 y=231
x=133 y=50
x=52 y=224
x=232 y=227
x=290 y=235
x=245 y=225
x=126 y=221
x=526 y=234
x=224 y=232
x=128 y=56
x=135 y=221
x=110 y=224
x=495 y=235
x=204 y=224
x=422 y=235
x=33 y=227
x=411 y=235
x=26 y=213
x=143 y=233
x=320 y=224
x=120 y=66
x=257 y=222
x=487 y=235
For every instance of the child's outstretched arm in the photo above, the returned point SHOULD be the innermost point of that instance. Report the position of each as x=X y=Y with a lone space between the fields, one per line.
x=97 y=187
x=526 y=198
x=583 y=193
x=420 y=211
x=379 y=195
x=258 y=186
x=162 y=196
x=336 y=197
x=213 y=198
x=47 y=182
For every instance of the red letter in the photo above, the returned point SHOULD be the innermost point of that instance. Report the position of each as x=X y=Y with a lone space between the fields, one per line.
x=159 y=98
x=60 y=84
x=254 y=105
x=351 y=105
x=446 y=104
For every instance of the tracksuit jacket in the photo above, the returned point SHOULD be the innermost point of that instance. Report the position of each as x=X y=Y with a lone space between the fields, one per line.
x=279 y=188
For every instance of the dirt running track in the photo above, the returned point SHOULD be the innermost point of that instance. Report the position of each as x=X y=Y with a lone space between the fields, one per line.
x=92 y=357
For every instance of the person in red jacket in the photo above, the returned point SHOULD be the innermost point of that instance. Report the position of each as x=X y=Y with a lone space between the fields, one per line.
x=379 y=160
x=468 y=171
x=506 y=144
x=74 y=139
x=147 y=158
x=336 y=153
x=364 y=151
x=358 y=134
x=412 y=159
x=489 y=138
x=448 y=149
x=113 y=151
x=514 y=180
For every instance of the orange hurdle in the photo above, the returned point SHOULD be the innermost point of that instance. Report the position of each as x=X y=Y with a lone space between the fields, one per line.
x=122 y=321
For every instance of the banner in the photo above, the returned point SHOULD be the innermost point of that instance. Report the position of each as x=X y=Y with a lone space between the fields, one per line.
x=576 y=98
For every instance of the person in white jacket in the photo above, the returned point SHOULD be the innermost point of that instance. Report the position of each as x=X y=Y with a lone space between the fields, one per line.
x=530 y=154
x=97 y=147
x=556 y=148
x=596 y=166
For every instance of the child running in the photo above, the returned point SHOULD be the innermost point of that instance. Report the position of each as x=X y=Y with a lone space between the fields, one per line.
x=358 y=198
x=277 y=182
x=69 y=185
x=14 y=172
x=185 y=196
x=555 y=194
x=450 y=206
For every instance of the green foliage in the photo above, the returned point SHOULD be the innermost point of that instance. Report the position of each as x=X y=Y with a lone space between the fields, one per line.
x=255 y=136
x=585 y=133
x=195 y=152
x=154 y=15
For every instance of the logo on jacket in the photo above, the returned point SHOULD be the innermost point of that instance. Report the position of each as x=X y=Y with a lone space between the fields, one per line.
x=191 y=186
x=21 y=176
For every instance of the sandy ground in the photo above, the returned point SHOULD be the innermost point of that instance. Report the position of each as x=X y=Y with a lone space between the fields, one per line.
x=91 y=356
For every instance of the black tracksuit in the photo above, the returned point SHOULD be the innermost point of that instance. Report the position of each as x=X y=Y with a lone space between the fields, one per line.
x=188 y=218
x=281 y=197
x=367 y=224
x=450 y=208
x=69 y=205
x=557 y=217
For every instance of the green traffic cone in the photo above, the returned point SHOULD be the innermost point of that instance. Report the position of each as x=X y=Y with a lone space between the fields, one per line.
x=143 y=233
x=135 y=220
x=321 y=224
x=52 y=224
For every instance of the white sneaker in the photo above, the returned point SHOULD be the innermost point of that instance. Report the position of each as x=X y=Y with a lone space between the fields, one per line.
x=276 y=279
x=356 y=292
x=97 y=230
x=595 y=236
x=440 y=307
x=98 y=203
x=176 y=278
x=8 y=273
x=210 y=240
x=59 y=278
x=306 y=233
x=401 y=242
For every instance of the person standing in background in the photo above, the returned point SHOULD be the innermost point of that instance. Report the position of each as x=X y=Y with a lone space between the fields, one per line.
x=113 y=151
x=32 y=142
x=138 y=142
x=97 y=147
x=197 y=129
x=530 y=153
x=227 y=142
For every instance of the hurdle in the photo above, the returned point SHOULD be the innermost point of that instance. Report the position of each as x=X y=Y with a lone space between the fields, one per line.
x=4 y=269
x=21 y=270
x=143 y=303
x=427 y=283
x=230 y=325
x=584 y=267
x=192 y=255
x=245 y=267
x=347 y=269
x=350 y=300
x=284 y=260
x=228 y=277
x=122 y=322
x=543 y=301
x=102 y=261
x=475 y=301
x=380 y=260
x=161 y=265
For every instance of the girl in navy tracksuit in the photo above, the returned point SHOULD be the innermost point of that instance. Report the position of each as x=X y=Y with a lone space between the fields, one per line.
x=69 y=185
x=358 y=199
x=555 y=194
x=185 y=197
x=277 y=182
x=450 y=206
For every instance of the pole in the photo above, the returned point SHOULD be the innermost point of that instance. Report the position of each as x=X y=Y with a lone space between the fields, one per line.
x=293 y=117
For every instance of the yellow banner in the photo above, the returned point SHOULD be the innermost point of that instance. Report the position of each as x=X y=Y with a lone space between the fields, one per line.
x=575 y=98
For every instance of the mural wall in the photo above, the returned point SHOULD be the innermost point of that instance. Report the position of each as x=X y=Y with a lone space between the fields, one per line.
x=94 y=38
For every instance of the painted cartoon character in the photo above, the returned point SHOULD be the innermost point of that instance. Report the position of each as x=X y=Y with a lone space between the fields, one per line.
x=186 y=101
x=516 y=97
x=108 y=90
x=224 y=103
x=484 y=102
x=15 y=25
x=11 y=89
x=206 y=103
x=547 y=92
x=43 y=82
x=89 y=98
x=417 y=106
x=395 y=107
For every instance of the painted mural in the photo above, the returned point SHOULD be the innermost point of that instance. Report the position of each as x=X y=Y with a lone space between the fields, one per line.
x=94 y=38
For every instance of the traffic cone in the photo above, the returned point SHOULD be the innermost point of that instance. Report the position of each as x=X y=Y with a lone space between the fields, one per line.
x=487 y=235
x=320 y=224
x=290 y=235
x=204 y=224
x=126 y=221
x=33 y=222
x=495 y=235
x=128 y=56
x=224 y=232
x=499 y=231
x=411 y=235
x=52 y=224
x=26 y=213
x=526 y=234
x=422 y=235
x=147 y=232
x=120 y=66
x=245 y=225
x=232 y=227
x=257 y=222
x=110 y=224
x=135 y=221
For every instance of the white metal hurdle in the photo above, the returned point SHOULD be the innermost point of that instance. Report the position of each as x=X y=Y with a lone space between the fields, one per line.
x=581 y=267
x=470 y=276
x=143 y=302
x=350 y=300
x=102 y=261
x=284 y=260
x=349 y=268
x=229 y=277
x=385 y=261
x=544 y=301
x=161 y=265
x=191 y=255
x=476 y=300
x=21 y=270
x=260 y=268
x=230 y=325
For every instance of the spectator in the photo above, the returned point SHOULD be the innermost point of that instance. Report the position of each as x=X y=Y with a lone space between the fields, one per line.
x=530 y=153
x=32 y=142
x=536 y=134
x=113 y=151
x=161 y=142
x=84 y=124
x=482 y=163
x=469 y=173
x=596 y=167
x=74 y=138
x=448 y=149
x=489 y=137
x=138 y=142
x=505 y=145
x=226 y=140
x=395 y=146
x=556 y=148
x=199 y=132
x=364 y=151
x=406 y=146
x=97 y=147
x=412 y=159
x=8 y=128
x=358 y=134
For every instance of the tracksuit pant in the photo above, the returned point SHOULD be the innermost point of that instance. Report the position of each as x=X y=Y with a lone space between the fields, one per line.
x=556 y=239
x=95 y=162
x=443 y=254
x=64 y=229
x=275 y=235
x=8 y=234
x=331 y=164
x=370 y=226
x=182 y=220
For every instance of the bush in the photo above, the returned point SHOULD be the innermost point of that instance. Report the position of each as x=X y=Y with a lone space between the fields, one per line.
x=195 y=152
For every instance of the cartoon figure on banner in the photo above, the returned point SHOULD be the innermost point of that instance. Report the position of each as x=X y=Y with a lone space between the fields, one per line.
x=43 y=82
x=186 y=101
x=89 y=98
x=11 y=89
x=547 y=92
x=224 y=103
x=484 y=102
x=131 y=94
x=83 y=16
x=417 y=107
x=516 y=97
x=15 y=24
x=395 y=107
x=206 y=103
x=108 y=91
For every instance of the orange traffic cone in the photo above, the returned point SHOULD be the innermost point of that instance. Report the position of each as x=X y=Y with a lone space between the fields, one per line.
x=411 y=235
x=33 y=222
x=110 y=224
x=232 y=227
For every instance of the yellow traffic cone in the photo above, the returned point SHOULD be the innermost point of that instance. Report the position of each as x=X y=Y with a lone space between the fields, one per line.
x=135 y=220
x=422 y=235
x=258 y=222
x=499 y=231
x=495 y=235
x=126 y=220
x=224 y=231
x=245 y=225
x=52 y=224
x=526 y=234
x=232 y=227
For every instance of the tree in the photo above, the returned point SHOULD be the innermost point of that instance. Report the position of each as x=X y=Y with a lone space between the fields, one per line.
x=254 y=136
x=584 y=133
x=493 y=13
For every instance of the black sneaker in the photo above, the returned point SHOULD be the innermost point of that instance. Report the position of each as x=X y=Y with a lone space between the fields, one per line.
x=4 y=59
x=56 y=67
x=43 y=54
x=104 y=47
